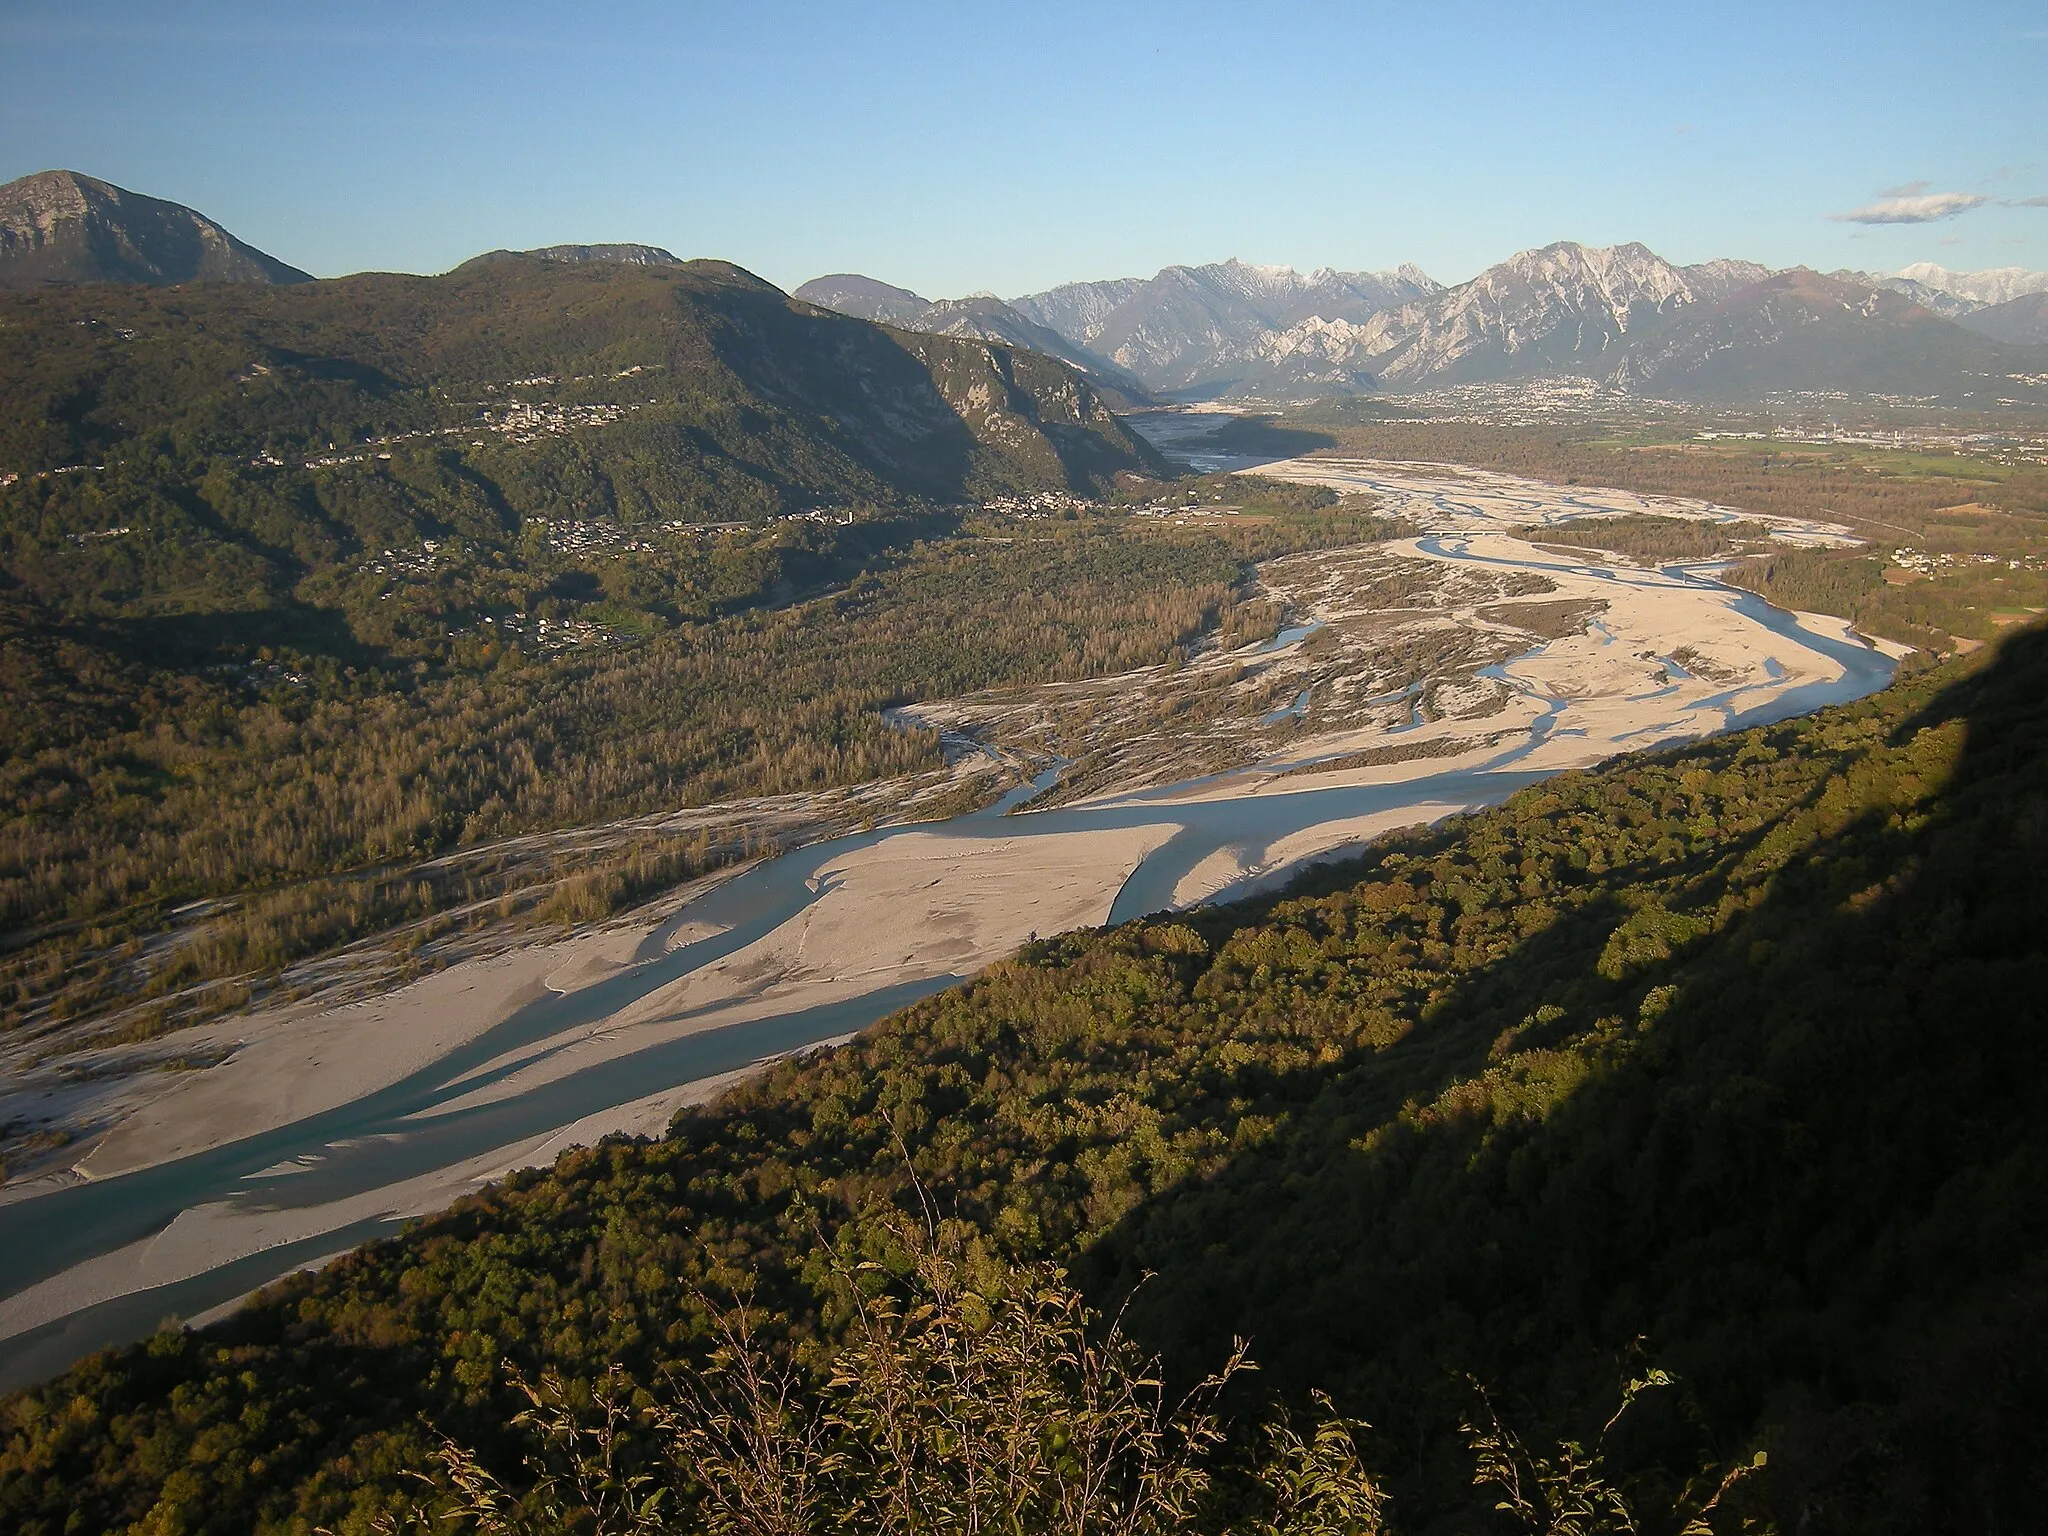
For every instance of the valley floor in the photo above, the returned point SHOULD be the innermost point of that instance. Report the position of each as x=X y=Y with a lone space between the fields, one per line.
x=1416 y=678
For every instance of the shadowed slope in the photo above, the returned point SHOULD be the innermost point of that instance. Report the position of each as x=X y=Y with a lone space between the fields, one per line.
x=1730 y=1055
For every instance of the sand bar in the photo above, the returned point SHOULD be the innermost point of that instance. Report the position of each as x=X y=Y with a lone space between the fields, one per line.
x=1667 y=658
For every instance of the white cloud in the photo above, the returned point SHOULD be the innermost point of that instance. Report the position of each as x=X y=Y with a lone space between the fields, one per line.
x=1917 y=209
x=1908 y=189
x=2032 y=202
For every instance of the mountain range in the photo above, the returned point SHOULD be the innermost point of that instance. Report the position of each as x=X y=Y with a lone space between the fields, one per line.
x=1978 y=300
x=2022 y=321
x=1175 y=332
x=719 y=394
x=1232 y=330
x=1621 y=314
x=1170 y=332
x=979 y=316
x=1187 y=327
x=1561 y=309
x=1993 y=285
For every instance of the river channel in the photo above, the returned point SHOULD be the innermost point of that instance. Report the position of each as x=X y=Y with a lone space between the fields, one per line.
x=395 y=1134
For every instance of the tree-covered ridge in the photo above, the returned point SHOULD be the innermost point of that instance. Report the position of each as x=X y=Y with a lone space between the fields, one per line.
x=1728 y=1058
x=292 y=589
x=128 y=786
x=739 y=379
x=242 y=465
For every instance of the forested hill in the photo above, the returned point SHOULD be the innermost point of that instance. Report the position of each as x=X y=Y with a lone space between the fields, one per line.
x=718 y=396
x=231 y=459
x=342 y=573
x=1726 y=1060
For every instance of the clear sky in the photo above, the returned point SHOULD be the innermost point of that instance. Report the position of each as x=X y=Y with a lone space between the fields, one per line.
x=961 y=146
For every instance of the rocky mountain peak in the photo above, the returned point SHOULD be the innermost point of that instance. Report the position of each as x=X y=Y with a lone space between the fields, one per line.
x=64 y=227
x=1716 y=279
x=1559 y=308
x=1620 y=275
x=625 y=254
x=979 y=316
x=1993 y=285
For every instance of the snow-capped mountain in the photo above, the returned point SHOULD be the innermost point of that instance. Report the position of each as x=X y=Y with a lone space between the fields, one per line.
x=1620 y=314
x=1565 y=308
x=1948 y=305
x=1953 y=295
x=1993 y=285
x=1198 y=328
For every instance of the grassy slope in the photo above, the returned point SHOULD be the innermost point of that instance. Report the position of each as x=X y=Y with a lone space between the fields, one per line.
x=1730 y=1056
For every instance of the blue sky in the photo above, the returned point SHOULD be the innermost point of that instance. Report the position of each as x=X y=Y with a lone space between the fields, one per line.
x=954 y=147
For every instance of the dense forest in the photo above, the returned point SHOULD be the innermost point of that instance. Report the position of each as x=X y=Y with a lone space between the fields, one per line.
x=1719 y=1067
x=300 y=587
x=130 y=789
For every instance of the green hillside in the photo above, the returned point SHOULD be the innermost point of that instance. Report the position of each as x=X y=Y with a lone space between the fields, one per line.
x=312 y=578
x=206 y=470
x=245 y=435
x=1726 y=1060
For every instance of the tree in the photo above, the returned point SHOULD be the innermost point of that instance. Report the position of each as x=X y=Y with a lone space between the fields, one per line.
x=982 y=1399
